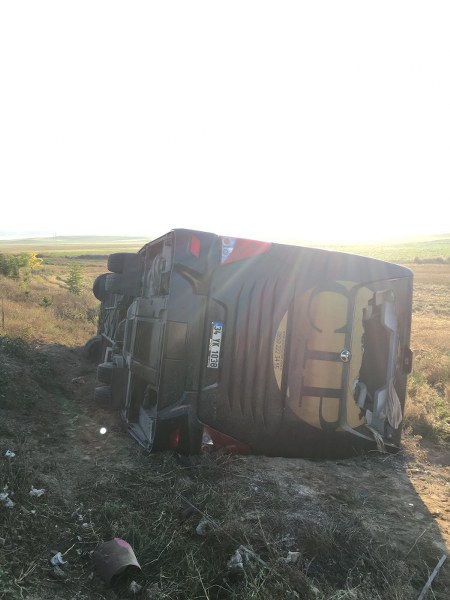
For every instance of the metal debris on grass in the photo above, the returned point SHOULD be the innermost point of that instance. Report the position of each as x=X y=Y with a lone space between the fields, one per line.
x=113 y=558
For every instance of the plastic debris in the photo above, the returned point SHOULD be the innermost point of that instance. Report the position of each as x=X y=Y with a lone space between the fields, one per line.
x=135 y=588
x=77 y=515
x=236 y=562
x=291 y=558
x=35 y=492
x=241 y=558
x=10 y=454
x=58 y=559
x=79 y=380
x=203 y=526
x=113 y=558
x=6 y=500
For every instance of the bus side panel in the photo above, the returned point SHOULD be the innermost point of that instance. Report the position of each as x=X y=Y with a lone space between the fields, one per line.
x=280 y=385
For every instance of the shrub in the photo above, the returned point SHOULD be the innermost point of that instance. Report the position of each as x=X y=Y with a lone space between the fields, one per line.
x=10 y=264
x=75 y=280
x=46 y=301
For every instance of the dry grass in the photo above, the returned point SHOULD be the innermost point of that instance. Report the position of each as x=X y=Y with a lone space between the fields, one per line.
x=428 y=408
x=41 y=308
x=431 y=331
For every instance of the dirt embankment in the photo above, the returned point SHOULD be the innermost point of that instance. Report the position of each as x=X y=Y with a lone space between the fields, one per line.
x=364 y=527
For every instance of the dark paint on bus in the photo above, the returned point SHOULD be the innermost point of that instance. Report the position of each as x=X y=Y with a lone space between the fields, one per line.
x=211 y=341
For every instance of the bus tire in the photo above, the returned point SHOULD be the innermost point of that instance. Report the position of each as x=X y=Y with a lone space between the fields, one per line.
x=114 y=283
x=122 y=261
x=99 y=287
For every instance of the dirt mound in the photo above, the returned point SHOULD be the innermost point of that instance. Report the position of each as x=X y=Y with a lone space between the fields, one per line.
x=361 y=528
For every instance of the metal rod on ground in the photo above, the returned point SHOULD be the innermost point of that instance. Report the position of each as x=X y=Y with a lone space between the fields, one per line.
x=427 y=586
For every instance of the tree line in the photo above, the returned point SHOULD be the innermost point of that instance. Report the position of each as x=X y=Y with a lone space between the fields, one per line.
x=10 y=264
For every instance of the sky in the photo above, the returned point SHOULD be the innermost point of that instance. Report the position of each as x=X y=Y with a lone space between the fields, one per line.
x=285 y=121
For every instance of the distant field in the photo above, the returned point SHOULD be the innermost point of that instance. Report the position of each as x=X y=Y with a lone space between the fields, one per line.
x=74 y=245
x=403 y=252
x=59 y=250
x=433 y=249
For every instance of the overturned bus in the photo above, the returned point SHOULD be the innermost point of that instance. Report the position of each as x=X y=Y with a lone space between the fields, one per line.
x=218 y=342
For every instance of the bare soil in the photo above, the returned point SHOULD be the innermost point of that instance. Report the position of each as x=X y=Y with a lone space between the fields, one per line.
x=364 y=527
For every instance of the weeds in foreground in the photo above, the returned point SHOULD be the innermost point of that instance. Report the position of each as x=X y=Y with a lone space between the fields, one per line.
x=23 y=371
x=145 y=503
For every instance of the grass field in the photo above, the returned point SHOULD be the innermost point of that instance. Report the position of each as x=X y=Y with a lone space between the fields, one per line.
x=431 y=250
x=58 y=250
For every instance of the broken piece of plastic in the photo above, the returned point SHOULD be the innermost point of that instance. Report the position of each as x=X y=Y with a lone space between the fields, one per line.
x=35 y=492
x=203 y=526
x=10 y=454
x=135 y=588
x=240 y=559
x=6 y=500
x=113 y=558
x=291 y=558
x=58 y=560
